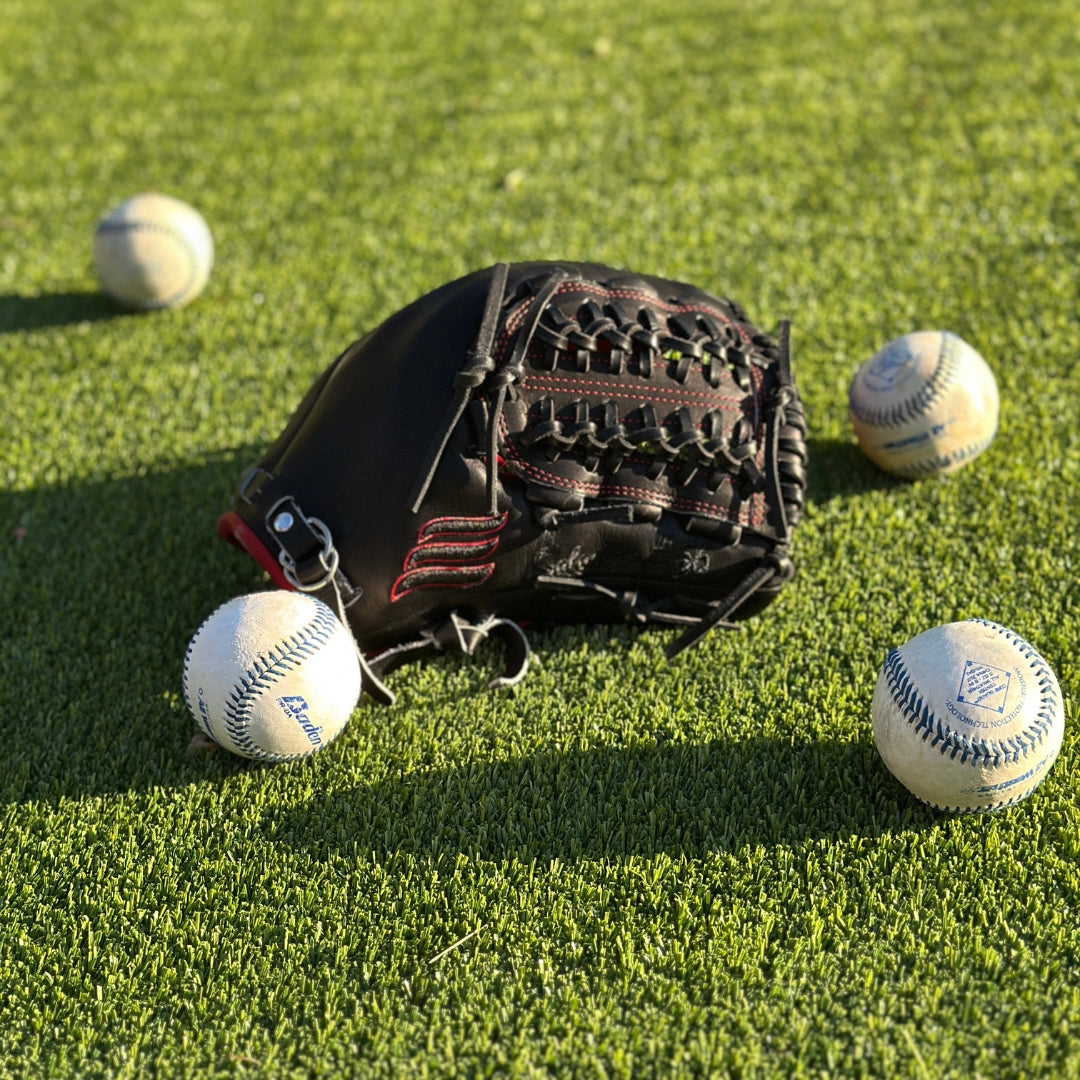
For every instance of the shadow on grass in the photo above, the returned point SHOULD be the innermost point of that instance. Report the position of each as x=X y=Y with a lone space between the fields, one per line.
x=55 y=309
x=102 y=583
x=839 y=469
x=680 y=798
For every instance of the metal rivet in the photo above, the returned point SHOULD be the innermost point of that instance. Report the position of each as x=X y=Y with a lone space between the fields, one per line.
x=283 y=522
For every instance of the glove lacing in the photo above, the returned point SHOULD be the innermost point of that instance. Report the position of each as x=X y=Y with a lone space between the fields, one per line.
x=480 y=372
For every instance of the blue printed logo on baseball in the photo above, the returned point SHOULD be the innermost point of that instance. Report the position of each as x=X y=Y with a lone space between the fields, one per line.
x=295 y=707
x=985 y=686
x=892 y=366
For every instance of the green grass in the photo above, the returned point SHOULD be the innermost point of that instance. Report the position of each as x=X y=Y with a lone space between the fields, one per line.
x=624 y=868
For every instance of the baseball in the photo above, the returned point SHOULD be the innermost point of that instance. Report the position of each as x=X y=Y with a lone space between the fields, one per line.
x=153 y=251
x=968 y=716
x=272 y=675
x=925 y=405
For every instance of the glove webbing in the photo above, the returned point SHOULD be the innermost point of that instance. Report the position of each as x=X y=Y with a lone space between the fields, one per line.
x=678 y=441
x=480 y=370
x=696 y=337
x=776 y=564
x=479 y=364
x=509 y=375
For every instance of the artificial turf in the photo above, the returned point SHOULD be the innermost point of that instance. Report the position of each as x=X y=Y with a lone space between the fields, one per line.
x=624 y=867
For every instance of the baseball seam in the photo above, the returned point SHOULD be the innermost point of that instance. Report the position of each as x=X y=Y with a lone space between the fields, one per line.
x=1004 y=804
x=947 y=740
x=163 y=230
x=931 y=391
x=202 y=720
x=916 y=469
x=264 y=672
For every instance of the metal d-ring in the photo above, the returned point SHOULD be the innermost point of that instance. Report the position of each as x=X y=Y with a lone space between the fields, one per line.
x=328 y=559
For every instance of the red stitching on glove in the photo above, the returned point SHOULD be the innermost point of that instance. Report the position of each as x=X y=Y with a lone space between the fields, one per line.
x=752 y=516
x=649 y=300
x=463 y=551
x=515 y=317
x=613 y=390
x=440 y=577
x=452 y=525
x=438 y=539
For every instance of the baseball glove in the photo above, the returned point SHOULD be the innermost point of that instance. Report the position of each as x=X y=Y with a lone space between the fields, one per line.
x=536 y=443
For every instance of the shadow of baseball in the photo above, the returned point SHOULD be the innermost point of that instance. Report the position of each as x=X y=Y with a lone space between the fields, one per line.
x=55 y=309
x=688 y=799
x=839 y=469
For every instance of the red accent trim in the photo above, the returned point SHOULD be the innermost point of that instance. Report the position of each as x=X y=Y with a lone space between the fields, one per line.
x=440 y=577
x=455 y=542
x=461 y=550
x=234 y=530
x=441 y=528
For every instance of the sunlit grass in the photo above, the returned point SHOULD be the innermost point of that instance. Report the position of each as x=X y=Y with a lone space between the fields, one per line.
x=624 y=867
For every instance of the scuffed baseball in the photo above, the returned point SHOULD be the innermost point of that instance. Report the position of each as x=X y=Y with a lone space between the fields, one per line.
x=925 y=405
x=153 y=251
x=968 y=716
x=272 y=675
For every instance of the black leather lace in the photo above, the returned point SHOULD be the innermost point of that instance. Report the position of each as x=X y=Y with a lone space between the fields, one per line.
x=610 y=339
x=607 y=336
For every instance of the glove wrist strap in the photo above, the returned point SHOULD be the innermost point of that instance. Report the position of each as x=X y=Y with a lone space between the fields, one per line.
x=306 y=561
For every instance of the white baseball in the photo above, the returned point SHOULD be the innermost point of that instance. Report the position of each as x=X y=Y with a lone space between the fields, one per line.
x=968 y=716
x=272 y=675
x=925 y=405
x=153 y=251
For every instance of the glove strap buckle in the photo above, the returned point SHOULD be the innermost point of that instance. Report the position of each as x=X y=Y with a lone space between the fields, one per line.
x=310 y=539
x=311 y=563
